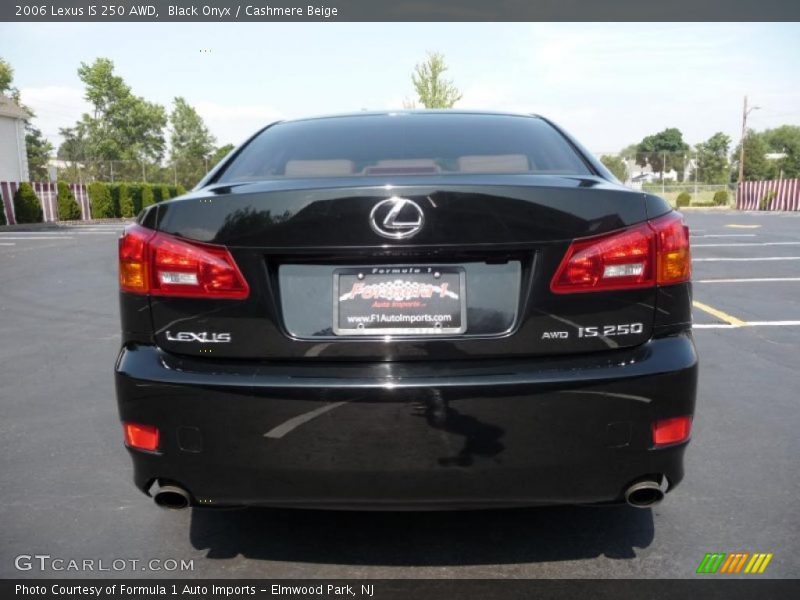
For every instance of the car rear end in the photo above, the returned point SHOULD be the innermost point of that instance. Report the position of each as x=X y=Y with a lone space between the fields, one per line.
x=407 y=311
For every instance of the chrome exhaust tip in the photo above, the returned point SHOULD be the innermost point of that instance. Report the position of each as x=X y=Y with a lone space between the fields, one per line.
x=171 y=497
x=644 y=494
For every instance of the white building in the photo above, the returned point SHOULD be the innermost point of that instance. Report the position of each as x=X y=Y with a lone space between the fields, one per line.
x=13 y=155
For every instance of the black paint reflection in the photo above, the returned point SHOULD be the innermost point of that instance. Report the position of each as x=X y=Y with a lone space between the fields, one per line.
x=480 y=439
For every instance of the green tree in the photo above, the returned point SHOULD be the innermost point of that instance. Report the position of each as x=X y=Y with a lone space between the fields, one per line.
x=6 y=79
x=616 y=165
x=72 y=148
x=432 y=89
x=712 y=159
x=68 y=209
x=756 y=165
x=663 y=151
x=27 y=208
x=39 y=151
x=121 y=126
x=783 y=140
x=3 y=220
x=190 y=141
x=219 y=154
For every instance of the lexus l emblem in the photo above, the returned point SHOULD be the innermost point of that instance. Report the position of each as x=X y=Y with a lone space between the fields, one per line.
x=396 y=218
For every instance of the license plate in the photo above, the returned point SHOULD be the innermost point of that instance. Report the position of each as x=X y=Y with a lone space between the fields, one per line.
x=397 y=300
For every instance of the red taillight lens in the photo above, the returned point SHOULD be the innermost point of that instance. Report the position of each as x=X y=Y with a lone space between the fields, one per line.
x=642 y=256
x=181 y=268
x=672 y=431
x=611 y=262
x=143 y=437
x=163 y=265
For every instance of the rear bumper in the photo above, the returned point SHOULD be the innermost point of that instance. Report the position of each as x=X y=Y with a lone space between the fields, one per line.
x=408 y=435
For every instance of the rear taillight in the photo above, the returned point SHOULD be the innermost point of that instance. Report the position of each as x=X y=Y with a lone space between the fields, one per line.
x=653 y=253
x=672 y=431
x=159 y=264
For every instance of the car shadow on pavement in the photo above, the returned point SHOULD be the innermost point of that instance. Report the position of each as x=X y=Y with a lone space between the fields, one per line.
x=423 y=538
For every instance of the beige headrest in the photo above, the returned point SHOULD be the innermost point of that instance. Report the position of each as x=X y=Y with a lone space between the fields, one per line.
x=319 y=168
x=494 y=163
x=400 y=165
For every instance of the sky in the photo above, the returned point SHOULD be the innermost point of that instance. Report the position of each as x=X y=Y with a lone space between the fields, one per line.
x=608 y=84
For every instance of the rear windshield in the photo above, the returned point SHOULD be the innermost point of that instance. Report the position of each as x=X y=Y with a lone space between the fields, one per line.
x=405 y=144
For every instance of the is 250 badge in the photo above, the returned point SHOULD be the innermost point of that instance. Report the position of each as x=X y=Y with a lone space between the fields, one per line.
x=610 y=330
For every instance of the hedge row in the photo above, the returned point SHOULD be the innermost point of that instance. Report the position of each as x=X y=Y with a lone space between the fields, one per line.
x=111 y=200
x=107 y=201
x=685 y=199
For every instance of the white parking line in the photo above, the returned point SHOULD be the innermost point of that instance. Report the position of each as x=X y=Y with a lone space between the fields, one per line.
x=754 y=258
x=747 y=280
x=742 y=244
x=65 y=231
x=5 y=234
x=50 y=237
x=9 y=244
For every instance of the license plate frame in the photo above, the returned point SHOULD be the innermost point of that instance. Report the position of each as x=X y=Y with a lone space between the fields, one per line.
x=423 y=275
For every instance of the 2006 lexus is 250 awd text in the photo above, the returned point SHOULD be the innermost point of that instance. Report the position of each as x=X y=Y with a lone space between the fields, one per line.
x=412 y=310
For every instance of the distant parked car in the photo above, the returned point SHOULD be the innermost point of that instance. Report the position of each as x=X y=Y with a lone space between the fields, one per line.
x=407 y=310
x=644 y=178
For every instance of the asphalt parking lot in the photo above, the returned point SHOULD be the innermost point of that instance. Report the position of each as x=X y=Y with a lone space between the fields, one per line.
x=65 y=480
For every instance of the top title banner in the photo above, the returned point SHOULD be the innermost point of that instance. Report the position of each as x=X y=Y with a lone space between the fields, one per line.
x=399 y=10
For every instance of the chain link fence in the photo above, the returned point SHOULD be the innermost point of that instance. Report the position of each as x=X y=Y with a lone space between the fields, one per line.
x=674 y=175
x=186 y=173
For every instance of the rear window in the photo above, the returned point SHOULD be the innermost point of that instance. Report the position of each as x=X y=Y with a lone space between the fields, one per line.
x=405 y=144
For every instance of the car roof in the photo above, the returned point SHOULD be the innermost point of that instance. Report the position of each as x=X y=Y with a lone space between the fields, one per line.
x=412 y=112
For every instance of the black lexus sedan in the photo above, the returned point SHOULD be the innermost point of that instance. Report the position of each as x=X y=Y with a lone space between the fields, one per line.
x=410 y=310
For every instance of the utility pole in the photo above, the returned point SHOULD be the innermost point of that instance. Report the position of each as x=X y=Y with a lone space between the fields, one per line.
x=745 y=111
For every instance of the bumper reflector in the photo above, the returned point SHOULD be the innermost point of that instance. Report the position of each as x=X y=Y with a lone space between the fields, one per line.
x=672 y=431
x=142 y=437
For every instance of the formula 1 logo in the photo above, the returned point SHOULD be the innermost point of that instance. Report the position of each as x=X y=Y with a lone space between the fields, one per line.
x=202 y=337
x=398 y=290
x=734 y=562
